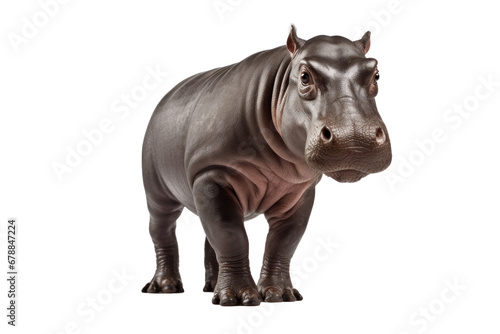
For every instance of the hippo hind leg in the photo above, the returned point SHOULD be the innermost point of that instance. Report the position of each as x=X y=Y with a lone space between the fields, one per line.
x=167 y=278
x=211 y=268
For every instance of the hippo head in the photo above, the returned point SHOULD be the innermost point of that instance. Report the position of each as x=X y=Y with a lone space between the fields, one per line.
x=328 y=113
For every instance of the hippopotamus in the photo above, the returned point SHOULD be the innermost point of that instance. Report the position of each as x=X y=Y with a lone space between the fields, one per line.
x=255 y=138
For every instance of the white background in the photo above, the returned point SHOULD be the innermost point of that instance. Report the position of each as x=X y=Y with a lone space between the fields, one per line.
x=397 y=245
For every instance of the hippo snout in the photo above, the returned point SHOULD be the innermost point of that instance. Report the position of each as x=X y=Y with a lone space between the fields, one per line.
x=349 y=152
x=373 y=136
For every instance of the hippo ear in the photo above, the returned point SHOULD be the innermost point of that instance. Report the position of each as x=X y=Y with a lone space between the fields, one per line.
x=364 y=42
x=293 y=43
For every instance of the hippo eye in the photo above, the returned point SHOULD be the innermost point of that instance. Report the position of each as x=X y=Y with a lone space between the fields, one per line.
x=304 y=77
x=373 y=89
x=307 y=86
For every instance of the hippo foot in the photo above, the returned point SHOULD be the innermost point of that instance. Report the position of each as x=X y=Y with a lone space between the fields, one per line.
x=164 y=284
x=210 y=285
x=232 y=290
x=278 y=288
x=211 y=275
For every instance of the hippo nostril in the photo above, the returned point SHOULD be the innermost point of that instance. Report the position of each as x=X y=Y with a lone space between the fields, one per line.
x=380 y=136
x=326 y=135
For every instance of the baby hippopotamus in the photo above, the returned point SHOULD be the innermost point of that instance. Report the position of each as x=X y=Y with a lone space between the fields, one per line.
x=255 y=138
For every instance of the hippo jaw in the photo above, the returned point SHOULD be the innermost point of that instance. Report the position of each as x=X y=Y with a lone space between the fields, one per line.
x=347 y=175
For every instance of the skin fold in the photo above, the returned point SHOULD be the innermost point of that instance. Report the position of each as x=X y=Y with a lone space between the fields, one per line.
x=255 y=138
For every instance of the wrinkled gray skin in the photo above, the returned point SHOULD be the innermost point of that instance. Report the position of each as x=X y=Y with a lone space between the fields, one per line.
x=255 y=138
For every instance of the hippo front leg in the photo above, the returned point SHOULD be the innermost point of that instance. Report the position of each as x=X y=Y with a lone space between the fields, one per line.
x=283 y=238
x=222 y=218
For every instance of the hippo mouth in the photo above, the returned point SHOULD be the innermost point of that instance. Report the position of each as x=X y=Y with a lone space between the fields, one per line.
x=346 y=175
